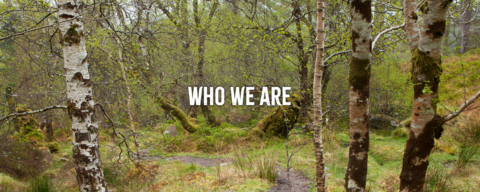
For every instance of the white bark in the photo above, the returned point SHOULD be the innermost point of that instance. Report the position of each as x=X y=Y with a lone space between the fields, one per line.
x=317 y=98
x=433 y=27
x=86 y=153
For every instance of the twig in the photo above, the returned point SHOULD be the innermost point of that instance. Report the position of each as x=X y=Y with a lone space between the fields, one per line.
x=462 y=108
x=385 y=31
x=335 y=54
x=33 y=112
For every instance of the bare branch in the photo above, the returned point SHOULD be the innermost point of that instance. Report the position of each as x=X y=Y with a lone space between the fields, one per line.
x=462 y=108
x=35 y=29
x=33 y=112
x=335 y=54
x=385 y=31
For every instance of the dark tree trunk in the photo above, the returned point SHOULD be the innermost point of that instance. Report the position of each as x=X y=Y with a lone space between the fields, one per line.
x=465 y=27
x=359 y=81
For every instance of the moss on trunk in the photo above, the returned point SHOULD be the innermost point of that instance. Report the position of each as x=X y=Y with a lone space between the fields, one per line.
x=209 y=116
x=275 y=123
x=178 y=113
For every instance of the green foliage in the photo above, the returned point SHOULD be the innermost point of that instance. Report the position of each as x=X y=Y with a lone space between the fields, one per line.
x=226 y=125
x=400 y=132
x=261 y=164
x=243 y=162
x=436 y=180
x=53 y=147
x=460 y=77
x=112 y=176
x=378 y=157
x=466 y=132
x=40 y=184
x=465 y=154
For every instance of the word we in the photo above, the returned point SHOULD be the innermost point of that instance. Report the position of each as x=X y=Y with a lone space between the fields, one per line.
x=270 y=96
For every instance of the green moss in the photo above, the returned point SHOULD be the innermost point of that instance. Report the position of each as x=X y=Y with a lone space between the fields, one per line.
x=53 y=147
x=277 y=121
x=406 y=122
x=359 y=76
x=400 y=132
x=177 y=113
x=426 y=73
x=72 y=36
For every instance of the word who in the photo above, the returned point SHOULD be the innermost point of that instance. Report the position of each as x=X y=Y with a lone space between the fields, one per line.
x=240 y=95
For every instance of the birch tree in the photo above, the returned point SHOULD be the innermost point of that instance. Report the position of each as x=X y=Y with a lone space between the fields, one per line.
x=359 y=80
x=425 y=45
x=86 y=153
x=317 y=95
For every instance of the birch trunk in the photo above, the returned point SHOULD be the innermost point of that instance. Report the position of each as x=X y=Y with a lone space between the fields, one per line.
x=86 y=153
x=317 y=95
x=359 y=80
x=426 y=70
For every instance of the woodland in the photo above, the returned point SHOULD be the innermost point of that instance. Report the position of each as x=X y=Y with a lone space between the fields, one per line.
x=383 y=95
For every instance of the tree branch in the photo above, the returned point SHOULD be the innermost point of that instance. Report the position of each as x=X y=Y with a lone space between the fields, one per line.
x=33 y=112
x=462 y=108
x=35 y=29
x=385 y=31
x=335 y=54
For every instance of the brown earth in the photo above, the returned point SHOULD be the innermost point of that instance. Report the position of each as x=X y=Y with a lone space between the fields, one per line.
x=204 y=162
x=298 y=182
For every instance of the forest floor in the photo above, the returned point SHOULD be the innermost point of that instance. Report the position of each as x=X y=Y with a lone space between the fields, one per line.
x=237 y=165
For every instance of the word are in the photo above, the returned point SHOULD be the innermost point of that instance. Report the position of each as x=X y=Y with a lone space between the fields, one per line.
x=240 y=95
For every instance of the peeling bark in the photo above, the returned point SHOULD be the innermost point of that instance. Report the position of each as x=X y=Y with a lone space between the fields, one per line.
x=411 y=23
x=359 y=80
x=317 y=96
x=426 y=70
x=86 y=153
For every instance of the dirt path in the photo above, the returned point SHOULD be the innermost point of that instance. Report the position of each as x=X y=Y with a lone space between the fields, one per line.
x=204 y=162
x=298 y=182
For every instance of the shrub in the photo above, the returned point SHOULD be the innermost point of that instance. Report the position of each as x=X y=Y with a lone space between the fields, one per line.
x=243 y=162
x=53 y=147
x=21 y=159
x=40 y=184
x=400 y=132
x=466 y=153
x=8 y=183
x=261 y=164
x=467 y=131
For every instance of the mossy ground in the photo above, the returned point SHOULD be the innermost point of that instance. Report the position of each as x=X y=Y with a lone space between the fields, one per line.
x=384 y=164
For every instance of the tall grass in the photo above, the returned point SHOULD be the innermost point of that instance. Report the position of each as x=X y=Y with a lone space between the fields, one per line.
x=436 y=180
x=260 y=164
x=40 y=184
x=466 y=153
